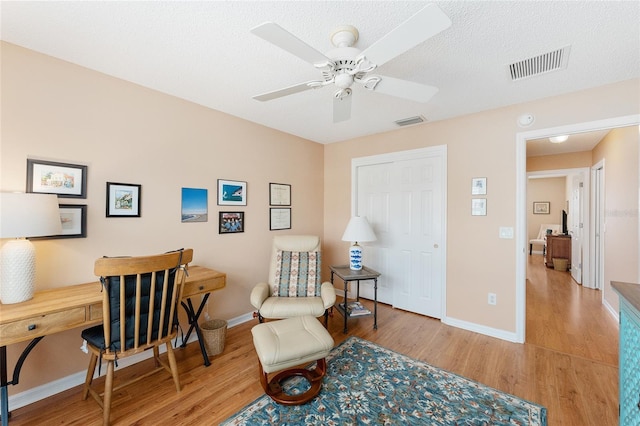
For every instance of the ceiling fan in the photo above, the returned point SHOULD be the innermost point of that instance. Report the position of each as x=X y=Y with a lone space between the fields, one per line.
x=346 y=64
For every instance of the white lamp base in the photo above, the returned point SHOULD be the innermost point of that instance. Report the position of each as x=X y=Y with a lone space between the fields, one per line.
x=355 y=257
x=17 y=271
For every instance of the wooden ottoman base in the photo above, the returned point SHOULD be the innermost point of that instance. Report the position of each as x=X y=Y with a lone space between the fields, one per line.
x=274 y=389
x=283 y=348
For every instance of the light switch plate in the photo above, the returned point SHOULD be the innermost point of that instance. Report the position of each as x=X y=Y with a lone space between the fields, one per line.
x=506 y=232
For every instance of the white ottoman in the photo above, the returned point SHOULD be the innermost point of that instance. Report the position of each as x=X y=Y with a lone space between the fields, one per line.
x=284 y=344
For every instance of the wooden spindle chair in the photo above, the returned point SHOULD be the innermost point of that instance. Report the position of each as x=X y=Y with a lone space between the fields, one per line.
x=140 y=304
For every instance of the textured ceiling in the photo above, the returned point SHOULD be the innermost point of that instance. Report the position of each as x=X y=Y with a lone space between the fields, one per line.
x=203 y=52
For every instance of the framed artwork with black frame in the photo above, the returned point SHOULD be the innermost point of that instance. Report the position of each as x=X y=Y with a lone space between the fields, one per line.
x=123 y=199
x=73 y=218
x=230 y=222
x=279 y=219
x=63 y=179
x=279 y=194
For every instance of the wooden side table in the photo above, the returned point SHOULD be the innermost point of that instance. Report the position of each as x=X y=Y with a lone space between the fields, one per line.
x=347 y=274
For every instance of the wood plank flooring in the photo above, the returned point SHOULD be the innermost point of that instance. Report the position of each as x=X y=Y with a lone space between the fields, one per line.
x=569 y=364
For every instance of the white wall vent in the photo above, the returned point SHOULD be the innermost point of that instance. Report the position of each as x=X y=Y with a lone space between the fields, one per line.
x=541 y=64
x=411 y=120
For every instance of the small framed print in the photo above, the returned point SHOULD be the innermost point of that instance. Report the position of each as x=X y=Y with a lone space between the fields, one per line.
x=479 y=186
x=279 y=194
x=123 y=199
x=279 y=219
x=541 y=207
x=232 y=193
x=65 y=180
x=231 y=222
x=73 y=218
x=478 y=207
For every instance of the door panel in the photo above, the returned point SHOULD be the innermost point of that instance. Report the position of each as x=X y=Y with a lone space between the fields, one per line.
x=576 y=228
x=402 y=201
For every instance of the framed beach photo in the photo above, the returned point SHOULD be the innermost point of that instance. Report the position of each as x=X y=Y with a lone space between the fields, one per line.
x=194 y=205
x=230 y=222
x=62 y=179
x=123 y=199
x=232 y=193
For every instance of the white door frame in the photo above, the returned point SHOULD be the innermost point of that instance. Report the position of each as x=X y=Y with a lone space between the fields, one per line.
x=566 y=173
x=521 y=199
x=439 y=150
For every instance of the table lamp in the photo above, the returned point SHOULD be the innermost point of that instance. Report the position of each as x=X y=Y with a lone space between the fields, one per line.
x=358 y=229
x=23 y=216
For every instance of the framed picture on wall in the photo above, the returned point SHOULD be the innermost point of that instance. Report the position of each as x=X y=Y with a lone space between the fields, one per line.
x=279 y=219
x=279 y=194
x=231 y=222
x=65 y=180
x=479 y=186
x=73 y=218
x=123 y=199
x=232 y=193
x=541 y=207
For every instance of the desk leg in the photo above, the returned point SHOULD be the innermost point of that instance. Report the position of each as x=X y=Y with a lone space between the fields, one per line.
x=375 y=303
x=193 y=324
x=4 y=389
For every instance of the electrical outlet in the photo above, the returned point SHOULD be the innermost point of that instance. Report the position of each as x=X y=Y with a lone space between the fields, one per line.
x=492 y=299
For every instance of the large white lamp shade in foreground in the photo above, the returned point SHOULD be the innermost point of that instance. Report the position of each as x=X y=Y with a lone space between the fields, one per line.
x=23 y=216
x=358 y=229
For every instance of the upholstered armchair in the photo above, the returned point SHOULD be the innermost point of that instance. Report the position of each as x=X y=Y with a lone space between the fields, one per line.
x=541 y=239
x=294 y=286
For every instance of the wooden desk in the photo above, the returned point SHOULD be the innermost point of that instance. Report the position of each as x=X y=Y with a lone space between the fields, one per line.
x=59 y=309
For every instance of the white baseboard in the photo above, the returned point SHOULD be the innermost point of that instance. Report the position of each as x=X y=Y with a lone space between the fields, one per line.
x=48 y=389
x=487 y=331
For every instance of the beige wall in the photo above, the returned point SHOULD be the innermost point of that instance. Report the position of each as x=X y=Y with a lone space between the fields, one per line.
x=572 y=160
x=545 y=189
x=479 y=145
x=125 y=133
x=620 y=152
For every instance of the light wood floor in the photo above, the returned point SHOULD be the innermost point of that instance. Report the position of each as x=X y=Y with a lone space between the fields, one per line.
x=568 y=364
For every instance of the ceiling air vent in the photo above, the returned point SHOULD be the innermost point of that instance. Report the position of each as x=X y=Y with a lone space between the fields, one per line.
x=541 y=64
x=411 y=120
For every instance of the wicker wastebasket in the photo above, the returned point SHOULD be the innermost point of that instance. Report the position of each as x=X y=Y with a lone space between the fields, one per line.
x=214 y=333
x=560 y=264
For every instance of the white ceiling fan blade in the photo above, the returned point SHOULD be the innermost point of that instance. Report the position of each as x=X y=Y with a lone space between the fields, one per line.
x=341 y=109
x=297 y=88
x=405 y=89
x=425 y=24
x=275 y=34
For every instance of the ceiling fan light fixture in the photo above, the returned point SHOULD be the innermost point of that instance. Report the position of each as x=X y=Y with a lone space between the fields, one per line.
x=344 y=36
x=558 y=139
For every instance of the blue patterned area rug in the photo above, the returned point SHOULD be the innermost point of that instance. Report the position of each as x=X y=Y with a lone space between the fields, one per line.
x=369 y=385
